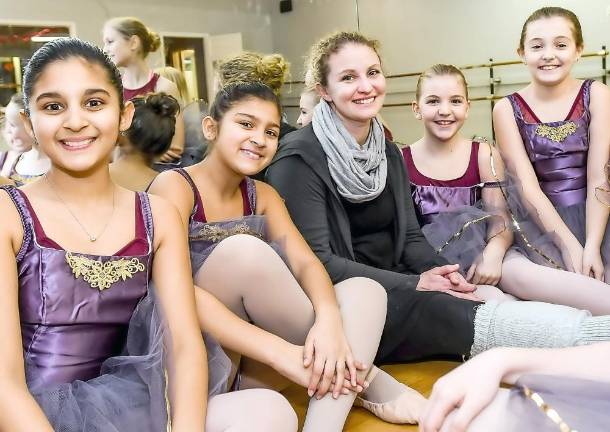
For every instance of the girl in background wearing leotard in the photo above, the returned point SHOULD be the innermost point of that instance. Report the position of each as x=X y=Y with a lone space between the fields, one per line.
x=65 y=309
x=128 y=42
x=235 y=222
x=33 y=163
x=15 y=137
x=148 y=137
x=449 y=176
x=554 y=138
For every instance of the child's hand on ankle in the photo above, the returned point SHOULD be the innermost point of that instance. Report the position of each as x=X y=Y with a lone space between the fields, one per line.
x=328 y=351
x=290 y=365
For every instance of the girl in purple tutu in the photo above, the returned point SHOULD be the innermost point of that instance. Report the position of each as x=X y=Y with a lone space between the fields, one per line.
x=98 y=314
x=554 y=138
x=459 y=194
x=247 y=254
x=84 y=330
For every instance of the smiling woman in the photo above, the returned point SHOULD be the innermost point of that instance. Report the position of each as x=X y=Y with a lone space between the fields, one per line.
x=352 y=203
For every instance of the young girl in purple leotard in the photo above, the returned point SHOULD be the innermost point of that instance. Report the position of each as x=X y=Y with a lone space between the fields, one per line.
x=554 y=138
x=457 y=191
x=89 y=343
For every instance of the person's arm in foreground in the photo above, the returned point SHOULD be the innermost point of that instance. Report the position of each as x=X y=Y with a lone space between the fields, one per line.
x=471 y=387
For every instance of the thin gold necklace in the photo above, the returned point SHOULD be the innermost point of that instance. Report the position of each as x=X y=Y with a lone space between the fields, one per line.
x=91 y=237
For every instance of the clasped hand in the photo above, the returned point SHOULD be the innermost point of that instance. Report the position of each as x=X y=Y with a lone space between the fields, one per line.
x=447 y=279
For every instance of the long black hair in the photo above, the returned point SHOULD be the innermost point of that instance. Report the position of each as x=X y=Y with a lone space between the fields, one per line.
x=64 y=49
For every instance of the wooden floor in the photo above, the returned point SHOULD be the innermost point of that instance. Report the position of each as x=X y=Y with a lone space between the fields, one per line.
x=420 y=376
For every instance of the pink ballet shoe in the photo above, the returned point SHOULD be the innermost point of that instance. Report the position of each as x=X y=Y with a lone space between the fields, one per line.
x=405 y=409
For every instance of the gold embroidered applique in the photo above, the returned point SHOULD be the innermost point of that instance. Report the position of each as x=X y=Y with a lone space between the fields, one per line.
x=103 y=275
x=556 y=133
x=215 y=233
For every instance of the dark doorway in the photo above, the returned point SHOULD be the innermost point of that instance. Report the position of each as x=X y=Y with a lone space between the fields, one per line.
x=186 y=54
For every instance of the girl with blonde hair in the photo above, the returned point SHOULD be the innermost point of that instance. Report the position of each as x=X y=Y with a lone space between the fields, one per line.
x=127 y=41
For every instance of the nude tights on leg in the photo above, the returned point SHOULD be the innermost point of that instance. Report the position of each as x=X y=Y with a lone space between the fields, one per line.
x=251 y=279
x=529 y=281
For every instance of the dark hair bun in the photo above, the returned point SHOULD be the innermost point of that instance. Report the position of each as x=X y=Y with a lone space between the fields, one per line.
x=163 y=105
x=154 y=123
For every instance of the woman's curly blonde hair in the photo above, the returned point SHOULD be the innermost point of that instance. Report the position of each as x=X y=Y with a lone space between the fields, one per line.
x=320 y=52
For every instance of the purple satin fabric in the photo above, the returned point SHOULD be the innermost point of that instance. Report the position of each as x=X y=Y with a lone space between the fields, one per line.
x=561 y=167
x=583 y=405
x=200 y=246
x=432 y=200
x=69 y=328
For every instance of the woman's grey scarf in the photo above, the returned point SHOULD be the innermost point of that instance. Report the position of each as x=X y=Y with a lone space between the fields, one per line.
x=358 y=171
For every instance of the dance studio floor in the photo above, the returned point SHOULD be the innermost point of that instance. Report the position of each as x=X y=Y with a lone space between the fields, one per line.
x=420 y=376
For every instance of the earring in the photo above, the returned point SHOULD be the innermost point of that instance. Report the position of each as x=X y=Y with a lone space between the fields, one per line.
x=123 y=133
x=418 y=116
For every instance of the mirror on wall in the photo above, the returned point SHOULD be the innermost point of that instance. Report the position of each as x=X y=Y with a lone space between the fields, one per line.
x=17 y=43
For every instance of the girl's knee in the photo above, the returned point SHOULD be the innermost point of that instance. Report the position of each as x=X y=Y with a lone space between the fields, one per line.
x=276 y=412
x=365 y=288
x=246 y=252
x=242 y=244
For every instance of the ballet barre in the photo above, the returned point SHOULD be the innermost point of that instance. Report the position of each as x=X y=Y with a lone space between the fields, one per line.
x=494 y=81
x=603 y=53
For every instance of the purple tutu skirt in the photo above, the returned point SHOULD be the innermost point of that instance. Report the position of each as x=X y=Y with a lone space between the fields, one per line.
x=545 y=247
x=461 y=234
x=583 y=405
x=130 y=392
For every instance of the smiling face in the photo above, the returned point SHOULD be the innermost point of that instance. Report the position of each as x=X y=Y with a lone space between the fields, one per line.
x=120 y=49
x=442 y=106
x=355 y=83
x=246 y=137
x=550 y=50
x=15 y=132
x=75 y=114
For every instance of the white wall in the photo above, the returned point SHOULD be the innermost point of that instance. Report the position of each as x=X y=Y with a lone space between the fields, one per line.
x=418 y=33
x=414 y=34
x=251 y=17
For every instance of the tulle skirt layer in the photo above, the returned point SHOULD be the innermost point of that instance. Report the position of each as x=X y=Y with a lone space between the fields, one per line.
x=544 y=246
x=130 y=394
x=582 y=405
x=460 y=235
